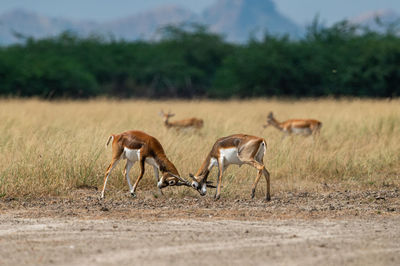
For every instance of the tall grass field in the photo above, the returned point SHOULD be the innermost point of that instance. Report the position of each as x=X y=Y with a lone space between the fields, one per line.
x=53 y=148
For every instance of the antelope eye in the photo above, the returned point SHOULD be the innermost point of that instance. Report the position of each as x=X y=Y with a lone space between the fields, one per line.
x=172 y=182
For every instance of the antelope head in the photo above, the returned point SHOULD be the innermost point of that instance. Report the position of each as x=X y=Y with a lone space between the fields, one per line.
x=270 y=120
x=201 y=184
x=165 y=116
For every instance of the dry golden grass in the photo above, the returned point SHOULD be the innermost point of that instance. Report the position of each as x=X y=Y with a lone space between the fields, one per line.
x=50 y=148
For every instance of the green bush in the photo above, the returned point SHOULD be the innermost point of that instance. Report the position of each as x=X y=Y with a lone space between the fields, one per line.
x=190 y=61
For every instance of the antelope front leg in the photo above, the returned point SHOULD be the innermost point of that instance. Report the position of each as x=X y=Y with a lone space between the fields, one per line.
x=157 y=179
x=128 y=167
x=216 y=189
x=221 y=170
x=141 y=163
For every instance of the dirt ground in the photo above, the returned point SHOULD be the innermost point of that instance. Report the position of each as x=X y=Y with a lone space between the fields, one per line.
x=336 y=227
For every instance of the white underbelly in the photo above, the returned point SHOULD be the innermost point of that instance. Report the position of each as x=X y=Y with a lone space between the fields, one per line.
x=131 y=154
x=301 y=131
x=230 y=156
x=213 y=162
x=134 y=155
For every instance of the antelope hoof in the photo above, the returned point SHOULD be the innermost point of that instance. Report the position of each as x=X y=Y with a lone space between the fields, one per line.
x=268 y=198
x=133 y=194
x=216 y=197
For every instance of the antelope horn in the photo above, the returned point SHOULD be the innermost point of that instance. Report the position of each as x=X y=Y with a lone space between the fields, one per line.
x=192 y=177
x=210 y=184
x=184 y=182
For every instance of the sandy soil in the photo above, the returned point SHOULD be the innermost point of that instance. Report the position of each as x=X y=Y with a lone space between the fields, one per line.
x=342 y=227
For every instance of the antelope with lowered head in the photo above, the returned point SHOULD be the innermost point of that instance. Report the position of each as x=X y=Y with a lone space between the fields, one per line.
x=305 y=127
x=138 y=146
x=236 y=149
x=185 y=123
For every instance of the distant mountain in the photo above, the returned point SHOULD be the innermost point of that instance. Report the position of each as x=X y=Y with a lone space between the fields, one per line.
x=144 y=25
x=236 y=19
x=32 y=25
x=377 y=20
x=239 y=18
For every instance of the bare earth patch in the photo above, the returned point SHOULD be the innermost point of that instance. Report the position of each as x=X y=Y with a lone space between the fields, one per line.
x=342 y=227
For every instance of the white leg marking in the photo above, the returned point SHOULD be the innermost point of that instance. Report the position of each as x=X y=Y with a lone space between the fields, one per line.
x=128 y=167
x=213 y=162
x=156 y=173
x=222 y=164
x=221 y=167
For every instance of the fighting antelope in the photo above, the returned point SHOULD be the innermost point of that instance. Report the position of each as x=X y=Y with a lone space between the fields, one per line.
x=138 y=146
x=185 y=123
x=304 y=127
x=236 y=149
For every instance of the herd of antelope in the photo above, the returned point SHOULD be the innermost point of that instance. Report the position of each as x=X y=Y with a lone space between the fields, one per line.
x=235 y=149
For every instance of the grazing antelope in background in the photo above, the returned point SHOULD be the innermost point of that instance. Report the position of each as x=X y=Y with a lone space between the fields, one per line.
x=185 y=123
x=236 y=149
x=138 y=146
x=305 y=127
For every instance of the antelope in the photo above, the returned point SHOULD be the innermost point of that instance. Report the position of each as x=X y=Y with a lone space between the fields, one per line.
x=305 y=127
x=138 y=146
x=236 y=149
x=185 y=123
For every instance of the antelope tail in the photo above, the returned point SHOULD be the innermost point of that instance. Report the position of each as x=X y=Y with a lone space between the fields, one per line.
x=110 y=138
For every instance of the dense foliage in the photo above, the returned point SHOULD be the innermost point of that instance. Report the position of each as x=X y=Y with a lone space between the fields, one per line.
x=342 y=60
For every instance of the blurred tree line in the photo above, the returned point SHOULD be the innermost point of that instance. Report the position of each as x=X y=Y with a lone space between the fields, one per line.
x=187 y=62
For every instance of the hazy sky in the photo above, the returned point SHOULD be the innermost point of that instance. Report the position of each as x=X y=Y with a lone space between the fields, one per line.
x=301 y=11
